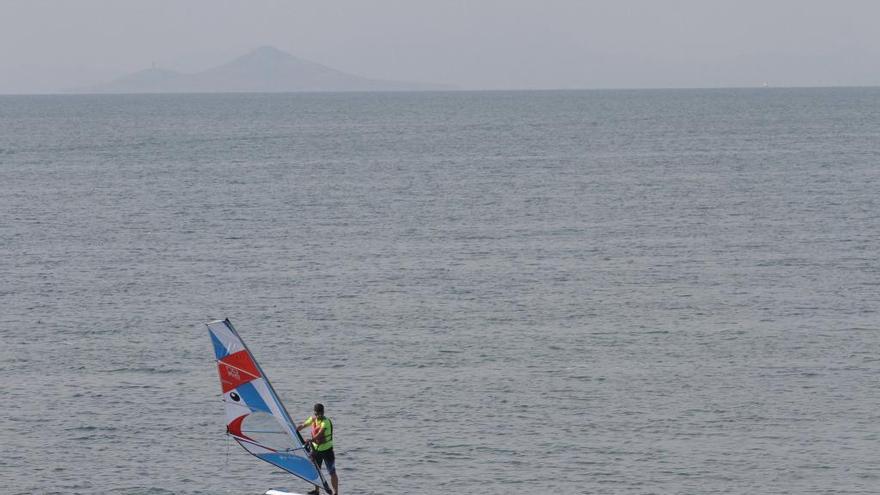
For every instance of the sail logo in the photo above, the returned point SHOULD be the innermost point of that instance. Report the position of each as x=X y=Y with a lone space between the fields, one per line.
x=233 y=373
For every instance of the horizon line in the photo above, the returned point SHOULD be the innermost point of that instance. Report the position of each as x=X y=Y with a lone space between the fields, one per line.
x=472 y=90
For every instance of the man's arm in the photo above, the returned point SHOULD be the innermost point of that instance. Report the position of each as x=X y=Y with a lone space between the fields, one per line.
x=304 y=424
x=318 y=435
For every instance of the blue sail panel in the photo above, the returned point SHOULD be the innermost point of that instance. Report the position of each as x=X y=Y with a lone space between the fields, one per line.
x=220 y=350
x=249 y=394
x=302 y=467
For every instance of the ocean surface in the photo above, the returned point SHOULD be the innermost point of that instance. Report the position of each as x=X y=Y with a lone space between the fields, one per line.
x=584 y=292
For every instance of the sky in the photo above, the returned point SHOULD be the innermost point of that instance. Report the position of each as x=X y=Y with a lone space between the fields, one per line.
x=50 y=45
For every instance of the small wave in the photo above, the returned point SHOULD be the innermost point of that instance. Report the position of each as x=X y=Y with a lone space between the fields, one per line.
x=145 y=490
x=149 y=370
x=90 y=428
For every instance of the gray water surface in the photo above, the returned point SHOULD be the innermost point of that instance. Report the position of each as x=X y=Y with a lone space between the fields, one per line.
x=611 y=292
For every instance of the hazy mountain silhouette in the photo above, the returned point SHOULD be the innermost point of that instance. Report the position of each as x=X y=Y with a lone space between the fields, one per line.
x=264 y=70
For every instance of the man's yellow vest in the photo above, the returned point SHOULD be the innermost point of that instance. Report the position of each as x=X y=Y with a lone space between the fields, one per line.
x=327 y=444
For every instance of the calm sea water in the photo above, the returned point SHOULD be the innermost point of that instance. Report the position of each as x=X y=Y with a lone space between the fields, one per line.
x=556 y=292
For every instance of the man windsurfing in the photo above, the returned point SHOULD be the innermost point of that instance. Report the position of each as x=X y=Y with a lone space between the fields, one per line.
x=322 y=444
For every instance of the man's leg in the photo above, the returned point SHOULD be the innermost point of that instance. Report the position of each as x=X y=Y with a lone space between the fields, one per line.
x=331 y=468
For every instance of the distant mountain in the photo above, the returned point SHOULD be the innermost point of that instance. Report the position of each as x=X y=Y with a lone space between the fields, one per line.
x=264 y=70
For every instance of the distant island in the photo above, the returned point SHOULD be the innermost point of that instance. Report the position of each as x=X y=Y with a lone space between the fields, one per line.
x=264 y=70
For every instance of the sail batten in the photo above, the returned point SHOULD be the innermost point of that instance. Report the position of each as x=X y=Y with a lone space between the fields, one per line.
x=255 y=416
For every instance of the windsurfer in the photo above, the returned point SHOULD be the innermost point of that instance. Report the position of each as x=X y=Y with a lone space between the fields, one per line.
x=322 y=444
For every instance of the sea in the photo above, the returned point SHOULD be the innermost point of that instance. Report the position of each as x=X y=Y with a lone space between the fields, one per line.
x=566 y=292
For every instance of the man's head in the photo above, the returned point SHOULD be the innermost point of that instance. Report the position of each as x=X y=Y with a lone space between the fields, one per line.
x=319 y=410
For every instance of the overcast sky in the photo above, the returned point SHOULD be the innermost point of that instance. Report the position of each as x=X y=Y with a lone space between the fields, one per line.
x=46 y=45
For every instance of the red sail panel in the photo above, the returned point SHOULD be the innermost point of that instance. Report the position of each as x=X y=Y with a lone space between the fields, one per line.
x=234 y=427
x=236 y=369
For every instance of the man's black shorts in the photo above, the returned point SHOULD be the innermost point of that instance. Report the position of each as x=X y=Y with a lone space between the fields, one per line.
x=328 y=456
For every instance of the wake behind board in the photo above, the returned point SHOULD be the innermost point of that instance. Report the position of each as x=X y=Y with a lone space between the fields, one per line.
x=278 y=492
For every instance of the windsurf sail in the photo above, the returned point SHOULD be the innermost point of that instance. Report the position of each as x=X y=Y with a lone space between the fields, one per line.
x=255 y=416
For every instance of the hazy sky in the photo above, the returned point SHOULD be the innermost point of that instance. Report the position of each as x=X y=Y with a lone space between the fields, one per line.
x=46 y=45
